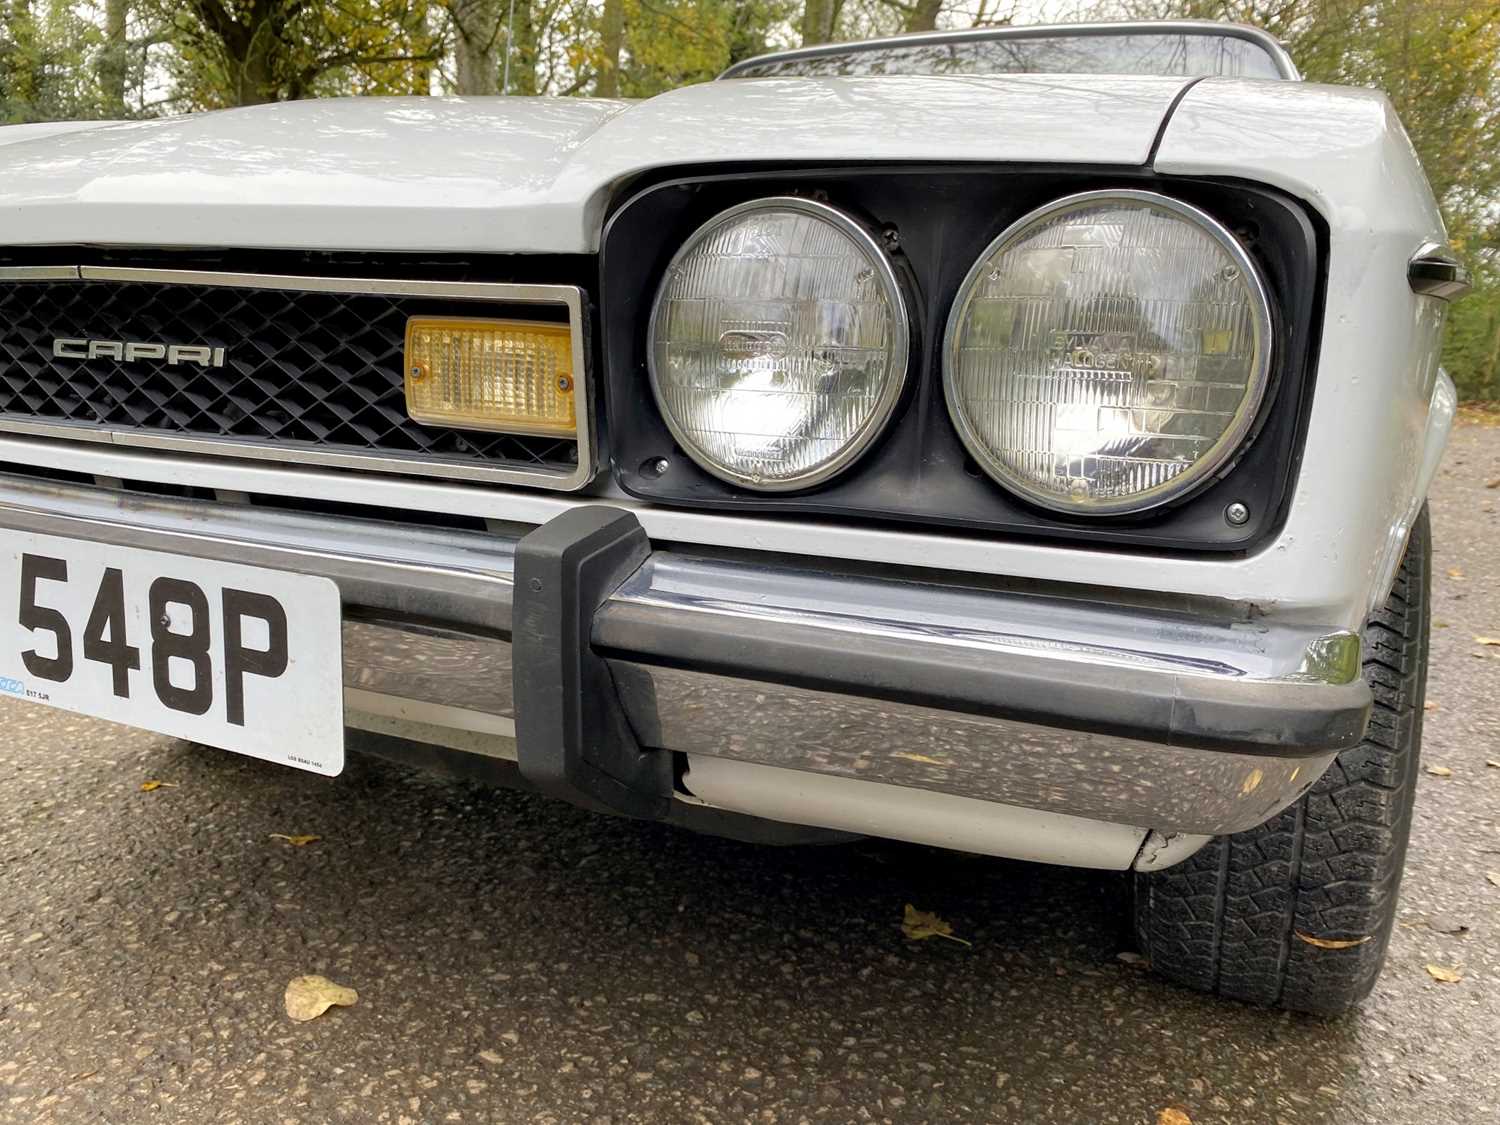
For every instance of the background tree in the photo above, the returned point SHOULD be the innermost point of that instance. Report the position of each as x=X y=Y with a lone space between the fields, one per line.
x=247 y=52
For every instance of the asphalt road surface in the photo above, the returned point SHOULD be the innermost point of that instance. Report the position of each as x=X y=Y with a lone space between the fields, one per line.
x=520 y=961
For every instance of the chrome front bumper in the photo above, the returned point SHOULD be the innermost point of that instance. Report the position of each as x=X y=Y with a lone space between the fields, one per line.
x=1178 y=719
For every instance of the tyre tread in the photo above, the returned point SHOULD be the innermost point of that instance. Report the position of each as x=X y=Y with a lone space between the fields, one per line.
x=1329 y=866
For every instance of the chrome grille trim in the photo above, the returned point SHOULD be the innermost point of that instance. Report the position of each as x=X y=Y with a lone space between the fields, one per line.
x=569 y=297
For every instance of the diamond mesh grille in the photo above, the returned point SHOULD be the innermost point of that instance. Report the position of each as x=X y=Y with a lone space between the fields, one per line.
x=303 y=370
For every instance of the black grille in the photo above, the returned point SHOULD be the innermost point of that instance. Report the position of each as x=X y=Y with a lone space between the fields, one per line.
x=303 y=370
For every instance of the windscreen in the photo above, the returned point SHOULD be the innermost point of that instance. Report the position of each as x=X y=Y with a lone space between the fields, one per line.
x=1188 y=54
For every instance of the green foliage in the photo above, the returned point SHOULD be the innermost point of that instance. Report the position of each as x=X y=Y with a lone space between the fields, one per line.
x=670 y=43
x=44 y=48
x=244 y=52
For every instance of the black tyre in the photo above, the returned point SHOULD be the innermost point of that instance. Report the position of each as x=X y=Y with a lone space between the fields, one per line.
x=1233 y=919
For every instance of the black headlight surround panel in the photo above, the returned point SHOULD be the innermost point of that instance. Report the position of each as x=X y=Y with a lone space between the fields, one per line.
x=935 y=221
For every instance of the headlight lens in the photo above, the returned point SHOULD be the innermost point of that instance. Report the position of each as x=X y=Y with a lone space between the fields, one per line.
x=778 y=344
x=1108 y=352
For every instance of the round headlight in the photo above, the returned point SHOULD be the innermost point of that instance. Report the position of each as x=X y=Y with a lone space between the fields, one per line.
x=778 y=344
x=1108 y=352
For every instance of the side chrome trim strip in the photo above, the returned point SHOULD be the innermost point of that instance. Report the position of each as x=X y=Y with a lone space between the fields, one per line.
x=39 y=273
x=569 y=297
x=1435 y=272
x=395 y=287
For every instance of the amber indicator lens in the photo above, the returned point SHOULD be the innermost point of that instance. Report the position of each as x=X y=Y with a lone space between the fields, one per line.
x=515 y=376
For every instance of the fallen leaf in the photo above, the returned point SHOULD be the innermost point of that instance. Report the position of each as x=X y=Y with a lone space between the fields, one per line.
x=1173 y=1116
x=1487 y=641
x=1440 y=771
x=1455 y=572
x=296 y=841
x=1445 y=925
x=309 y=997
x=1445 y=974
x=1439 y=624
x=153 y=785
x=1492 y=483
x=1493 y=877
x=1333 y=943
x=1430 y=705
x=919 y=924
x=1494 y=765
x=922 y=758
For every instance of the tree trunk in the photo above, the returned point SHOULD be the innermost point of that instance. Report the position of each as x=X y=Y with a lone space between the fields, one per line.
x=923 y=15
x=113 y=59
x=256 y=84
x=817 y=21
x=24 y=80
x=476 y=25
x=612 y=37
x=420 y=42
x=519 y=69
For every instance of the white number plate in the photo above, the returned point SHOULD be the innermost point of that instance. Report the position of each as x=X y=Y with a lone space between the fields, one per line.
x=233 y=656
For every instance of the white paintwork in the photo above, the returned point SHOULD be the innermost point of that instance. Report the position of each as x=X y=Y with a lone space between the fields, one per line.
x=36 y=131
x=1344 y=152
x=434 y=174
x=915 y=815
x=523 y=174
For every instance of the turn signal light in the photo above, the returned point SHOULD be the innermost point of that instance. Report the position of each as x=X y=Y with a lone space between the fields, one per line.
x=515 y=376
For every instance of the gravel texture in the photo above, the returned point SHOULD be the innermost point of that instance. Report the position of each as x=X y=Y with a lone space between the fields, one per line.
x=521 y=961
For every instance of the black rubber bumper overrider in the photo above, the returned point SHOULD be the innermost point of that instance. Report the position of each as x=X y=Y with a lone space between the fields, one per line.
x=572 y=738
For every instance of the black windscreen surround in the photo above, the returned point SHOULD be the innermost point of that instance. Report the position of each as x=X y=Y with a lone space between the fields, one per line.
x=301 y=370
x=934 y=223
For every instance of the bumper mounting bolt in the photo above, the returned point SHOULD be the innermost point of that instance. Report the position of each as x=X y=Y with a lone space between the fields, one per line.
x=1237 y=513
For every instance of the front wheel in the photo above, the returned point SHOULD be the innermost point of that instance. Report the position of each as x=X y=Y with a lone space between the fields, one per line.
x=1297 y=913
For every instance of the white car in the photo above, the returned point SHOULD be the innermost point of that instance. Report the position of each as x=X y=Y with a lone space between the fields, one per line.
x=1014 y=441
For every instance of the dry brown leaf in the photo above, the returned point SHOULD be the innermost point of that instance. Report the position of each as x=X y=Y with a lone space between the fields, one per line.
x=1487 y=641
x=922 y=758
x=1445 y=974
x=296 y=841
x=1493 y=877
x=1456 y=572
x=1440 y=771
x=309 y=997
x=1332 y=943
x=1172 y=1115
x=1450 y=926
x=1492 y=483
x=919 y=925
x=1494 y=765
x=153 y=785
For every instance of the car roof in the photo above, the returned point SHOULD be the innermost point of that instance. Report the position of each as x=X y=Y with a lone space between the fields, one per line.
x=1256 y=35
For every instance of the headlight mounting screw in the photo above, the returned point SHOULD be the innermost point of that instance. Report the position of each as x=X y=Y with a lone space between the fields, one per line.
x=1237 y=514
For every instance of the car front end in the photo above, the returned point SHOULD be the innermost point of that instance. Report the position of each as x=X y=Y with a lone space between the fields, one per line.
x=247 y=353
